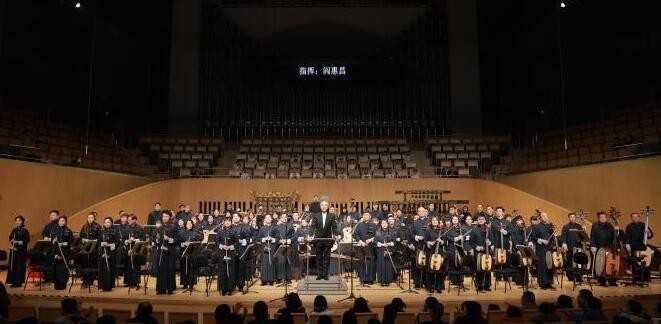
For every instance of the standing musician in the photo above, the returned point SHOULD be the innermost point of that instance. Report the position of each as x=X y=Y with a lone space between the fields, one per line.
x=48 y=232
x=500 y=225
x=88 y=233
x=243 y=234
x=363 y=234
x=122 y=230
x=155 y=214
x=571 y=240
x=300 y=235
x=167 y=255
x=18 y=240
x=634 y=239
x=267 y=239
x=135 y=235
x=155 y=242
x=188 y=276
x=603 y=235
x=226 y=240
x=456 y=237
x=323 y=224
x=479 y=240
x=519 y=236
x=284 y=234
x=106 y=243
x=59 y=255
x=418 y=238
x=541 y=237
x=385 y=241
x=436 y=279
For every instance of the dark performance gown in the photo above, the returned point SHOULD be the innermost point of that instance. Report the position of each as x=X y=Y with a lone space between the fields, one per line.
x=518 y=237
x=155 y=241
x=420 y=227
x=267 y=265
x=634 y=236
x=451 y=248
x=49 y=232
x=58 y=257
x=572 y=241
x=227 y=260
x=131 y=276
x=188 y=275
x=167 y=255
x=244 y=236
x=107 y=273
x=154 y=215
x=121 y=254
x=478 y=238
x=18 y=256
x=435 y=279
x=542 y=231
x=362 y=233
x=384 y=270
x=88 y=233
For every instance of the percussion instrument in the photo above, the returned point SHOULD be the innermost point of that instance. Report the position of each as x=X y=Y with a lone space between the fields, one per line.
x=600 y=261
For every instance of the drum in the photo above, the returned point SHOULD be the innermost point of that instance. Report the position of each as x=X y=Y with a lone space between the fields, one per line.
x=549 y=260
x=600 y=261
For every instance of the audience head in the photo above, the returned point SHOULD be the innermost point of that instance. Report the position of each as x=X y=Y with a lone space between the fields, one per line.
x=429 y=303
x=145 y=309
x=69 y=306
x=389 y=313
x=471 y=308
x=437 y=311
x=583 y=296
x=635 y=307
x=564 y=301
x=593 y=303
x=221 y=312
x=293 y=301
x=546 y=308
x=399 y=304
x=285 y=318
x=260 y=310
x=320 y=303
x=360 y=305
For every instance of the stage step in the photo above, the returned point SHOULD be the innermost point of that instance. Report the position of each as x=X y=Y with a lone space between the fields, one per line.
x=311 y=286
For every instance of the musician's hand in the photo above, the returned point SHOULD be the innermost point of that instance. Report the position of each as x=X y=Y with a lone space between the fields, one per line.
x=503 y=231
x=564 y=247
x=628 y=246
x=617 y=228
x=468 y=237
x=430 y=244
x=104 y=244
x=530 y=244
x=487 y=242
x=457 y=239
x=593 y=249
x=479 y=248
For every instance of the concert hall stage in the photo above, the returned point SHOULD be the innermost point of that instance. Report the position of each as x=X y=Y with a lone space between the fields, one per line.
x=170 y=306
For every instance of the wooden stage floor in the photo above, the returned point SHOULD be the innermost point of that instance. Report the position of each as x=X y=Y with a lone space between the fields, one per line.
x=376 y=295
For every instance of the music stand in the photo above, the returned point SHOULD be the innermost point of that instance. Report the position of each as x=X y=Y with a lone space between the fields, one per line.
x=189 y=252
x=137 y=248
x=528 y=253
x=344 y=249
x=252 y=250
x=283 y=250
x=364 y=252
x=408 y=254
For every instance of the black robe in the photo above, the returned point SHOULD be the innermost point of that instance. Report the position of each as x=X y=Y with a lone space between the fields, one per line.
x=244 y=236
x=478 y=238
x=107 y=272
x=167 y=255
x=385 y=240
x=18 y=256
x=267 y=264
x=188 y=276
x=227 y=260
x=59 y=256
x=542 y=231
x=436 y=279
x=419 y=229
x=366 y=265
x=131 y=275
x=88 y=233
x=283 y=262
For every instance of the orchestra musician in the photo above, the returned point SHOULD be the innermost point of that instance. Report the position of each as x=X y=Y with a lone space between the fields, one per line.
x=188 y=275
x=385 y=241
x=602 y=235
x=59 y=255
x=167 y=254
x=435 y=279
x=571 y=240
x=456 y=233
x=267 y=239
x=418 y=237
x=243 y=234
x=89 y=233
x=135 y=235
x=122 y=230
x=363 y=234
x=635 y=236
x=226 y=240
x=480 y=242
x=49 y=229
x=18 y=240
x=106 y=242
x=323 y=224
x=155 y=214
x=284 y=234
x=542 y=236
x=155 y=243
x=518 y=237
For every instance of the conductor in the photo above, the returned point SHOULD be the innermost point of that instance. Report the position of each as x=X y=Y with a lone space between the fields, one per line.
x=323 y=225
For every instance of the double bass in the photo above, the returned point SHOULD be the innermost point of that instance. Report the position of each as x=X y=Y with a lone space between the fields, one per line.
x=612 y=262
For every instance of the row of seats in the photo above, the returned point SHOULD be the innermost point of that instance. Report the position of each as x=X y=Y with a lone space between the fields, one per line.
x=377 y=148
x=27 y=134
x=630 y=132
x=182 y=155
x=463 y=156
x=324 y=141
x=318 y=174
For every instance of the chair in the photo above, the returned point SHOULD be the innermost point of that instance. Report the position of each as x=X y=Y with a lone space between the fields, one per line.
x=467 y=269
x=37 y=266
x=363 y=318
x=507 y=271
x=82 y=266
x=580 y=269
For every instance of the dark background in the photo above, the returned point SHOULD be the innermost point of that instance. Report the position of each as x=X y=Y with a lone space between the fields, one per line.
x=610 y=52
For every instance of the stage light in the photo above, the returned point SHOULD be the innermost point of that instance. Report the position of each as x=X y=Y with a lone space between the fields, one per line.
x=77 y=4
x=562 y=4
